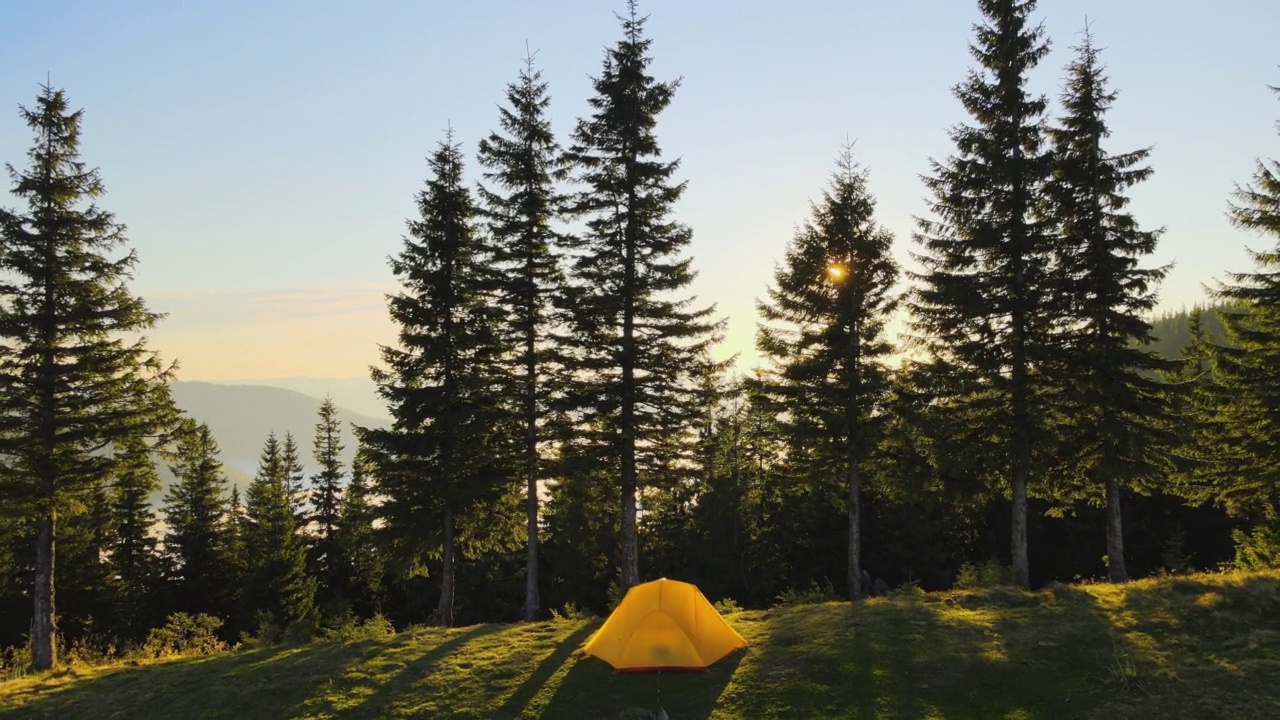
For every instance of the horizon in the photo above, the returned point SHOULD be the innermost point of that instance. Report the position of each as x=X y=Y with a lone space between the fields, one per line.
x=264 y=178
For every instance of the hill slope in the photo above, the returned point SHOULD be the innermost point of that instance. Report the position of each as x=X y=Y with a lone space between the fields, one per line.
x=1205 y=646
x=241 y=416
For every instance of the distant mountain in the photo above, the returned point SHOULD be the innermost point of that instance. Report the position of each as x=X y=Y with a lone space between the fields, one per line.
x=357 y=394
x=241 y=416
x=1172 y=330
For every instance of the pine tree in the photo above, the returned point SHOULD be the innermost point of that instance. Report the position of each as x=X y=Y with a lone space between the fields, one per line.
x=327 y=486
x=984 y=303
x=134 y=554
x=1237 y=427
x=278 y=582
x=827 y=344
x=633 y=347
x=358 y=542
x=195 y=529
x=450 y=448
x=1116 y=420
x=75 y=375
x=524 y=161
x=295 y=481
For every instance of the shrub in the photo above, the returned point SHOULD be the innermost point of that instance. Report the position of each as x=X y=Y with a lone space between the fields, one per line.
x=15 y=662
x=184 y=634
x=348 y=627
x=987 y=574
x=815 y=594
x=909 y=588
x=571 y=613
x=726 y=606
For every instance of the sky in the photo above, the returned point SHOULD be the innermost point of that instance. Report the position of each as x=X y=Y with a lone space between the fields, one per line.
x=264 y=155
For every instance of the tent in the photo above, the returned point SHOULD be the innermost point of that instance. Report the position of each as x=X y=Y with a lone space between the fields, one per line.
x=663 y=625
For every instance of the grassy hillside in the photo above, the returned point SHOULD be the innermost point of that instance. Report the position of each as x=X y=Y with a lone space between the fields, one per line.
x=1205 y=646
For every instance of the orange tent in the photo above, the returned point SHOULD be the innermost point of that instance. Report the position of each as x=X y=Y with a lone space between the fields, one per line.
x=663 y=625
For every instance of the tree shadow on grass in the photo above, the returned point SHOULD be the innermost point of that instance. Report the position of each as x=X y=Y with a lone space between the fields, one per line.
x=519 y=701
x=341 y=700
x=223 y=686
x=591 y=689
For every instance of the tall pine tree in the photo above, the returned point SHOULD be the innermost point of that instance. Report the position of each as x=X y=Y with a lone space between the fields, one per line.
x=524 y=161
x=195 y=539
x=1115 y=417
x=984 y=302
x=824 y=335
x=449 y=450
x=134 y=556
x=278 y=581
x=74 y=375
x=635 y=345
x=327 y=494
x=1238 y=428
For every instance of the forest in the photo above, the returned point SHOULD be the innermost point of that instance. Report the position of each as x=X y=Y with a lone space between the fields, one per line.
x=563 y=425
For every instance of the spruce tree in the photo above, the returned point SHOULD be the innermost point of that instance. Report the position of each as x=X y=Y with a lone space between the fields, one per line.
x=327 y=486
x=278 y=583
x=449 y=451
x=295 y=481
x=985 y=302
x=1114 y=416
x=76 y=376
x=825 y=340
x=634 y=343
x=1243 y=397
x=358 y=542
x=195 y=529
x=134 y=555
x=524 y=161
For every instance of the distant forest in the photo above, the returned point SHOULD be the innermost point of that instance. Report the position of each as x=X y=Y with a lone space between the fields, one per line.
x=561 y=428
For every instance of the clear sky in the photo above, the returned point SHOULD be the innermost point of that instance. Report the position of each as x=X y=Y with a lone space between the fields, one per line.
x=264 y=153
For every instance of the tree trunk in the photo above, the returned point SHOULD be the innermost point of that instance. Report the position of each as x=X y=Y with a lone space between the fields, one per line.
x=44 y=649
x=855 y=532
x=630 y=550
x=1115 y=534
x=1021 y=457
x=531 y=599
x=444 y=611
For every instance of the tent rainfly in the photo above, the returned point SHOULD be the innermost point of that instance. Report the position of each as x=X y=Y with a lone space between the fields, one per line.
x=663 y=625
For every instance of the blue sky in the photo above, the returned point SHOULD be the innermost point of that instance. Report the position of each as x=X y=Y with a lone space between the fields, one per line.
x=264 y=155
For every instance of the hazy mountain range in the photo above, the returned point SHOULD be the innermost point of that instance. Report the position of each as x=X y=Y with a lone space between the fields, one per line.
x=357 y=394
x=241 y=417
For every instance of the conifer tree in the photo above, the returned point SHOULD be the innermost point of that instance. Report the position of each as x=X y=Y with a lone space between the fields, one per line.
x=449 y=451
x=1237 y=429
x=327 y=486
x=984 y=303
x=134 y=555
x=524 y=161
x=634 y=344
x=824 y=337
x=195 y=529
x=1115 y=418
x=278 y=581
x=363 y=564
x=295 y=481
x=75 y=375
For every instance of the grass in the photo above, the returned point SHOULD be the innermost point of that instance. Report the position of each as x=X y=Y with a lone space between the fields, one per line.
x=1199 y=646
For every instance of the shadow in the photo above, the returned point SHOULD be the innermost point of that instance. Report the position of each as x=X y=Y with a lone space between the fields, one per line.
x=220 y=686
x=347 y=697
x=591 y=689
x=519 y=700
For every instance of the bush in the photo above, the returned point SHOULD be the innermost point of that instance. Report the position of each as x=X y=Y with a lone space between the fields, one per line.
x=301 y=632
x=987 y=574
x=348 y=628
x=184 y=634
x=571 y=613
x=726 y=606
x=909 y=588
x=15 y=662
x=815 y=594
x=1258 y=549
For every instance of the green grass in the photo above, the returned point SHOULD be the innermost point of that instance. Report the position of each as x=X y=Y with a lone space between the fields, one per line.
x=1202 y=646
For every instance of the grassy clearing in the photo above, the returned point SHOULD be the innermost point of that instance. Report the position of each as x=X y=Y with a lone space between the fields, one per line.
x=1202 y=646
